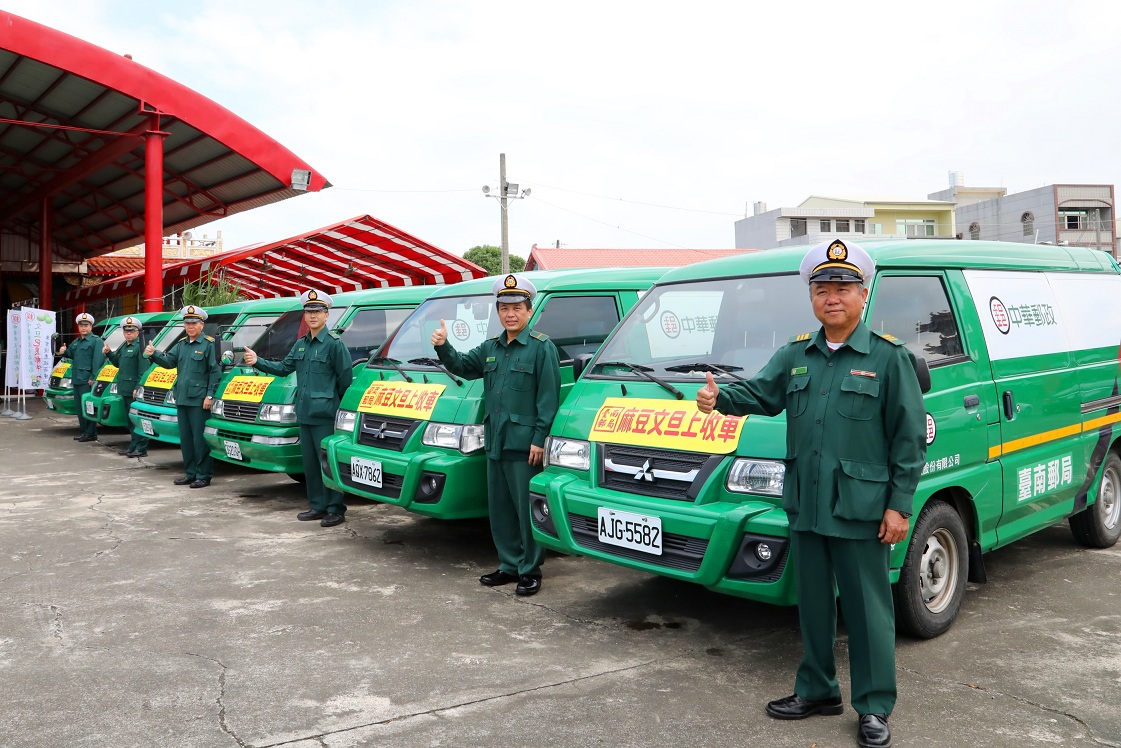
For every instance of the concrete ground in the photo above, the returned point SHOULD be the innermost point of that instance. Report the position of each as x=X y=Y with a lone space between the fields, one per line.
x=138 y=613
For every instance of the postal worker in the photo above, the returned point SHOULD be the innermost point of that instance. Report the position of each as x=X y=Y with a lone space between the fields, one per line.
x=130 y=363
x=86 y=357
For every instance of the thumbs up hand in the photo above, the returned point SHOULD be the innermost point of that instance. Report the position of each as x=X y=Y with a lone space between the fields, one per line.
x=62 y=349
x=440 y=336
x=149 y=349
x=250 y=357
x=706 y=396
x=105 y=348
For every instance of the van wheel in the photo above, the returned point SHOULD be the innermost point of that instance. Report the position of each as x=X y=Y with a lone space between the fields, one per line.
x=298 y=477
x=932 y=580
x=1099 y=525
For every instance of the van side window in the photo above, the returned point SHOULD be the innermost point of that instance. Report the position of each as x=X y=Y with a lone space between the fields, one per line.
x=369 y=329
x=577 y=324
x=915 y=309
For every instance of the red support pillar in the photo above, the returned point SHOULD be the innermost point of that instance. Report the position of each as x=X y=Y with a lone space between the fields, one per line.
x=153 y=217
x=46 y=225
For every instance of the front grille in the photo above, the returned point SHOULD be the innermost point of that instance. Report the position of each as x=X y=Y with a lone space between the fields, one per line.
x=661 y=473
x=385 y=432
x=56 y=383
x=155 y=396
x=234 y=410
x=99 y=388
x=678 y=551
x=390 y=484
x=233 y=436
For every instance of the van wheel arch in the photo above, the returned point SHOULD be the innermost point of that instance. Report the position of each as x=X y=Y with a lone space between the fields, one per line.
x=1099 y=524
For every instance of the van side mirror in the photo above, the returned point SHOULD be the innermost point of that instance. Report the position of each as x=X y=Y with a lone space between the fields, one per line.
x=226 y=350
x=923 y=372
x=579 y=363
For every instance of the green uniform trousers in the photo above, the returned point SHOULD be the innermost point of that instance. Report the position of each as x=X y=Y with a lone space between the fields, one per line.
x=197 y=462
x=511 y=520
x=85 y=425
x=319 y=497
x=139 y=441
x=859 y=568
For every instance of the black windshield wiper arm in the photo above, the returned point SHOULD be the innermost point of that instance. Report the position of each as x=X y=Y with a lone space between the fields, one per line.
x=439 y=365
x=644 y=372
x=394 y=364
x=714 y=368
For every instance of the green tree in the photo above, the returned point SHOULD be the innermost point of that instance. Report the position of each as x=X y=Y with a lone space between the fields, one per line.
x=211 y=289
x=490 y=259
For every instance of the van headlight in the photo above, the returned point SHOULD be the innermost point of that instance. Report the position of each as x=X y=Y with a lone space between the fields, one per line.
x=113 y=389
x=170 y=398
x=570 y=453
x=756 y=476
x=345 y=420
x=217 y=408
x=66 y=384
x=139 y=395
x=278 y=413
x=466 y=439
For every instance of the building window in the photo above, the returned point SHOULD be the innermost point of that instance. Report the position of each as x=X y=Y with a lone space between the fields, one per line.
x=858 y=225
x=797 y=227
x=824 y=225
x=1029 y=223
x=843 y=224
x=1073 y=220
x=915 y=227
x=974 y=231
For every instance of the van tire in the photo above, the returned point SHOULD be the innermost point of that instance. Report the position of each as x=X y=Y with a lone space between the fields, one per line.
x=298 y=477
x=932 y=581
x=1099 y=525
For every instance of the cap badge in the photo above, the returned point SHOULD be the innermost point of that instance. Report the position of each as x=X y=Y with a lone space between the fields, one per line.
x=312 y=295
x=837 y=251
x=510 y=282
x=190 y=310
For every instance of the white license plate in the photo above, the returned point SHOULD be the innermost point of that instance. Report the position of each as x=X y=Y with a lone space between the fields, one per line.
x=146 y=427
x=90 y=409
x=628 y=530
x=233 y=450
x=50 y=405
x=367 y=472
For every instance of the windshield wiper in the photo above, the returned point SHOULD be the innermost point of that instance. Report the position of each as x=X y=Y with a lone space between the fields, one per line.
x=393 y=363
x=714 y=368
x=439 y=365
x=644 y=372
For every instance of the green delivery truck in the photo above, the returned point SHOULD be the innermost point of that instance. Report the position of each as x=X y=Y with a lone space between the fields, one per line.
x=59 y=394
x=153 y=412
x=410 y=433
x=1021 y=344
x=253 y=419
x=103 y=403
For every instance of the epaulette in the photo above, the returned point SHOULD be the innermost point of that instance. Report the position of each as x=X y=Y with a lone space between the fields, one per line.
x=888 y=338
x=209 y=339
x=800 y=338
x=539 y=335
x=335 y=335
x=494 y=337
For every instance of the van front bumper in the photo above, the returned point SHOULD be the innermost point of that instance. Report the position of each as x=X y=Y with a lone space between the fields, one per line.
x=61 y=401
x=272 y=448
x=108 y=410
x=155 y=422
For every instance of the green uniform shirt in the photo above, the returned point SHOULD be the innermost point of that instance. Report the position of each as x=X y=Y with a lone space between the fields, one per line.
x=855 y=429
x=85 y=356
x=323 y=372
x=198 y=369
x=130 y=365
x=521 y=388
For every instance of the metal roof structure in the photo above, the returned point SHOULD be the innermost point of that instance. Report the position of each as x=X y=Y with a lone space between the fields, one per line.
x=550 y=258
x=359 y=253
x=74 y=123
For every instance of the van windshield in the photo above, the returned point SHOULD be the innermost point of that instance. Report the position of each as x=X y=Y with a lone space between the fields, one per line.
x=275 y=342
x=730 y=324
x=470 y=321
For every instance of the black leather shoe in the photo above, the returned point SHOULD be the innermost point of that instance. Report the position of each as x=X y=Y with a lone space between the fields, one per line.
x=137 y=454
x=330 y=520
x=873 y=731
x=125 y=453
x=497 y=578
x=201 y=483
x=795 y=707
x=79 y=436
x=310 y=514
x=528 y=585
x=186 y=480
x=87 y=438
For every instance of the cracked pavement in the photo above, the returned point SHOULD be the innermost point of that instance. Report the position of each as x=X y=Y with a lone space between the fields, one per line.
x=144 y=614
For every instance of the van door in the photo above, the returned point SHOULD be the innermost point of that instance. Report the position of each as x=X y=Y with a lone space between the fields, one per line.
x=576 y=324
x=1040 y=450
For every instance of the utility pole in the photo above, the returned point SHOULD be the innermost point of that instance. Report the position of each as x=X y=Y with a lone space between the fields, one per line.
x=504 y=188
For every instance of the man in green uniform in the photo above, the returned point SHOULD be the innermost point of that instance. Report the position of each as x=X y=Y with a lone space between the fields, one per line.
x=323 y=372
x=196 y=359
x=84 y=353
x=856 y=443
x=130 y=365
x=521 y=393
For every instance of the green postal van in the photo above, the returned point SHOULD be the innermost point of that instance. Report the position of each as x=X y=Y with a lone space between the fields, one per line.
x=153 y=412
x=1022 y=352
x=410 y=433
x=59 y=394
x=253 y=421
x=103 y=403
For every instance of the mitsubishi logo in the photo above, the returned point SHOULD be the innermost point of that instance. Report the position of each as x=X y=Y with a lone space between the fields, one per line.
x=379 y=431
x=648 y=473
x=645 y=472
x=382 y=431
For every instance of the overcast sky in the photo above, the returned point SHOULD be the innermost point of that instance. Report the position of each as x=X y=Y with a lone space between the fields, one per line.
x=636 y=124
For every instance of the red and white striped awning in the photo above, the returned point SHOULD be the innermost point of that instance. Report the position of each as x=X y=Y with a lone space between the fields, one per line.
x=360 y=253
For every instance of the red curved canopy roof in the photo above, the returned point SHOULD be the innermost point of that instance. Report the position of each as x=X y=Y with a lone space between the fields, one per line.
x=362 y=252
x=55 y=89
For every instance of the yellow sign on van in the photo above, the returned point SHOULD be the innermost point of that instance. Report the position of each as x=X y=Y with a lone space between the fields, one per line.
x=664 y=424
x=401 y=399
x=162 y=378
x=247 y=389
x=60 y=370
x=107 y=374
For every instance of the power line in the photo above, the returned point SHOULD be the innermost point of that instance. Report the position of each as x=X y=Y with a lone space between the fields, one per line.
x=402 y=192
x=596 y=220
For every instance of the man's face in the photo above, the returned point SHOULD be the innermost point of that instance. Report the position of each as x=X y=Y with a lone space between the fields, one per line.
x=837 y=304
x=514 y=317
x=84 y=328
x=315 y=319
x=131 y=335
x=193 y=328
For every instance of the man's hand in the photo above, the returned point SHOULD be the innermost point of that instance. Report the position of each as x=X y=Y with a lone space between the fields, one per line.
x=250 y=357
x=149 y=349
x=207 y=402
x=440 y=336
x=893 y=527
x=105 y=348
x=706 y=396
x=90 y=383
x=536 y=455
x=62 y=349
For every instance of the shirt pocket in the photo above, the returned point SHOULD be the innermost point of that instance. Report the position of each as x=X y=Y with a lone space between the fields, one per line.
x=797 y=395
x=519 y=432
x=490 y=372
x=860 y=397
x=321 y=404
x=521 y=376
x=861 y=491
x=318 y=364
